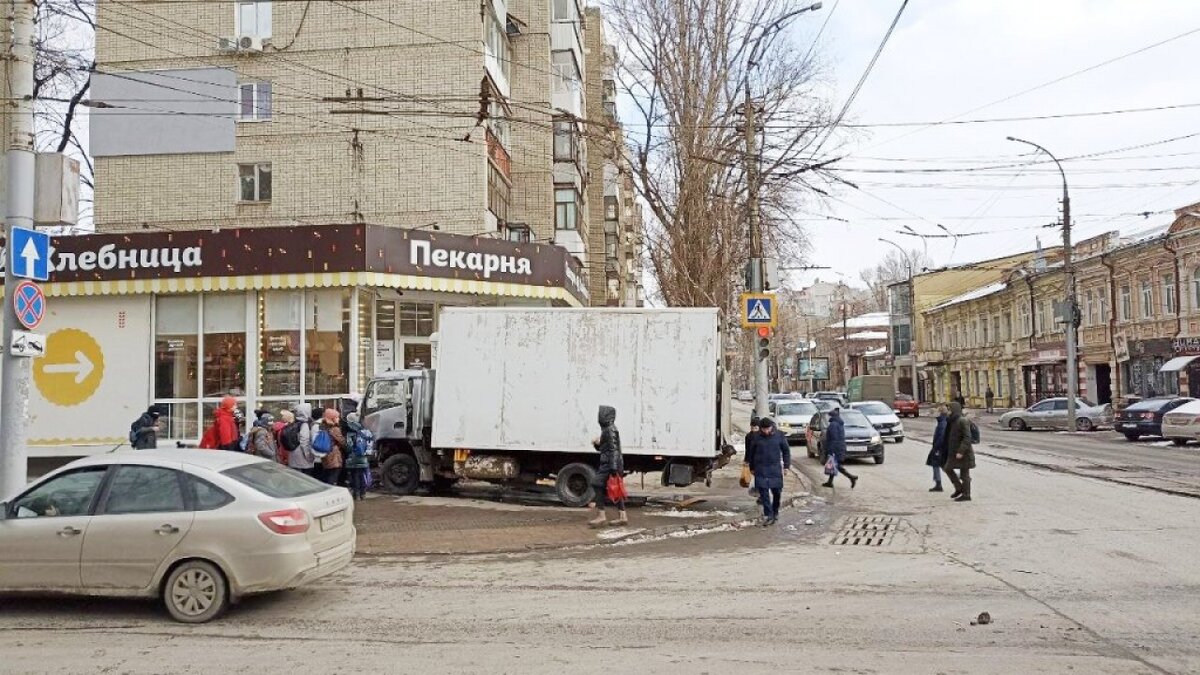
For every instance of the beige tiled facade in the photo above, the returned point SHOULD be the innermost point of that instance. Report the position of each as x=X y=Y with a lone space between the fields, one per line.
x=379 y=114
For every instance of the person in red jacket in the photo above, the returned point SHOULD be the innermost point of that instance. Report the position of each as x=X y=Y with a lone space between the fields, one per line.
x=223 y=434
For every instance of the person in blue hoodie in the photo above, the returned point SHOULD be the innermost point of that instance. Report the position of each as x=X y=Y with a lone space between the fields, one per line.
x=937 y=453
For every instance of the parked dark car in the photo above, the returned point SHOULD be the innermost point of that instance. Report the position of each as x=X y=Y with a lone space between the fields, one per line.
x=862 y=439
x=1145 y=417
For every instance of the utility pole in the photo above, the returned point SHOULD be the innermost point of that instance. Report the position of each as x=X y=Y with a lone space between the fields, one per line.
x=19 y=159
x=761 y=392
x=1072 y=312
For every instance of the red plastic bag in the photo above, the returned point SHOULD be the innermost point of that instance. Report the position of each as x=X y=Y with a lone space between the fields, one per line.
x=616 y=488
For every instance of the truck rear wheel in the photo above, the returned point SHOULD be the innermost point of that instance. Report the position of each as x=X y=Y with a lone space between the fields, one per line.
x=574 y=484
x=400 y=474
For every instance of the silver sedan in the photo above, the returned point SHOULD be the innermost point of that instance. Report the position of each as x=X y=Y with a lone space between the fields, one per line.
x=198 y=528
x=1051 y=413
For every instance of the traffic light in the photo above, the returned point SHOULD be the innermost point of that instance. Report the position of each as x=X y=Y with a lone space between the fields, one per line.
x=764 y=343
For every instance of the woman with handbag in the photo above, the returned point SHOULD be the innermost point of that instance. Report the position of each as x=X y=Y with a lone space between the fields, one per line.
x=610 y=483
x=835 y=450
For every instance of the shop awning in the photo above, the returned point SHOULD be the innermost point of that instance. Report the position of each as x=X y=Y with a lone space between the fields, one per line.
x=1177 y=364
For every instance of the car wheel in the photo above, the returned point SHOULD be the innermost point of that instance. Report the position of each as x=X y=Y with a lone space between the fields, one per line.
x=1083 y=424
x=574 y=484
x=400 y=474
x=195 y=592
x=879 y=458
x=1132 y=437
x=1179 y=441
x=1017 y=424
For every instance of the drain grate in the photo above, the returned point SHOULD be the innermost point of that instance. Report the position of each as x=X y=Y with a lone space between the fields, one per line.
x=867 y=531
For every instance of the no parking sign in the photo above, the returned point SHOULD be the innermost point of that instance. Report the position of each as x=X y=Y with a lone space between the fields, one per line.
x=29 y=303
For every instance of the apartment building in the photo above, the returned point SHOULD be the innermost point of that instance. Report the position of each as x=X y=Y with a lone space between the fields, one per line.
x=287 y=193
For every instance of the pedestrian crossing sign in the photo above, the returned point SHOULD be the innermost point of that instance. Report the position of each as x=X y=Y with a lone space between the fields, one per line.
x=758 y=310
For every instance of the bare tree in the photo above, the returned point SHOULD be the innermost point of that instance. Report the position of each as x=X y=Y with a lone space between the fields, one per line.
x=893 y=268
x=685 y=64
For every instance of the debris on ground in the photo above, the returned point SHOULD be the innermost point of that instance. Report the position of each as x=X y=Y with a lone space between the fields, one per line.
x=810 y=521
x=982 y=620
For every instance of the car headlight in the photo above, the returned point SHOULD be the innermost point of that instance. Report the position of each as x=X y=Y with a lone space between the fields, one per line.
x=899 y=426
x=876 y=439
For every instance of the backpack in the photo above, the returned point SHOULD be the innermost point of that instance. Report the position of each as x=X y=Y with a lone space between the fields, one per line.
x=322 y=443
x=362 y=443
x=974 y=432
x=289 y=436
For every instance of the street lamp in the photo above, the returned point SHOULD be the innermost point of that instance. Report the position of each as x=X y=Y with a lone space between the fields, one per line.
x=761 y=376
x=1069 y=272
x=912 y=315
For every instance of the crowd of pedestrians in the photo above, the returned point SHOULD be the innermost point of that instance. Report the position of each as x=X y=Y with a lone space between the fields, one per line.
x=325 y=446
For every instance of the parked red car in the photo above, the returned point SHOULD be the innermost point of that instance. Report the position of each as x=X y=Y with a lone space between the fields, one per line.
x=906 y=406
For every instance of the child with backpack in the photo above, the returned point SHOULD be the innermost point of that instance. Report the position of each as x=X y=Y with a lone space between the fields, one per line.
x=329 y=445
x=358 y=463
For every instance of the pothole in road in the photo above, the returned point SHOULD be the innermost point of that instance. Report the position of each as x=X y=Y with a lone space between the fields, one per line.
x=877 y=530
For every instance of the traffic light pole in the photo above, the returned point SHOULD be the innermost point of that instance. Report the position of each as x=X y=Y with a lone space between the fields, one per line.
x=14 y=390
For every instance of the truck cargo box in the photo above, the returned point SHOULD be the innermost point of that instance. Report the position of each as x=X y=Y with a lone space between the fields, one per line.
x=532 y=379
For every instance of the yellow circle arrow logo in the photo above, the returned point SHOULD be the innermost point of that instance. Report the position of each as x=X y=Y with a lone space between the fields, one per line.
x=72 y=368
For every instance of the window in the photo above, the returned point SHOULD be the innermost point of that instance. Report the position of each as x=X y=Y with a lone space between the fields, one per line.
x=206 y=496
x=416 y=319
x=498 y=47
x=565 y=10
x=327 y=342
x=70 y=494
x=1008 y=326
x=279 y=350
x=254 y=99
x=176 y=347
x=224 y=345
x=1147 y=299
x=996 y=328
x=1026 y=325
x=901 y=342
x=566 y=209
x=1168 y=294
x=254 y=181
x=1089 y=309
x=275 y=481
x=1103 y=294
x=566 y=141
x=1196 y=290
x=1044 y=406
x=254 y=18
x=985 y=336
x=144 y=489
x=1126 y=303
x=566 y=71
x=1044 y=319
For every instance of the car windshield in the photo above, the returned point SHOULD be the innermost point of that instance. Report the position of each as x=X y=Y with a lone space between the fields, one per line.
x=796 y=408
x=903 y=397
x=873 y=408
x=854 y=418
x=276 y=481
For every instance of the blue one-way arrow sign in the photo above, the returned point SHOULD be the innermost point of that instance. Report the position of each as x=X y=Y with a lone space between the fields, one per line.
x=29 y=254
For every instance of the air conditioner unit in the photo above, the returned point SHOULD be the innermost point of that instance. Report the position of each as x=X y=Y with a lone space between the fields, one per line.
x=250 y=43
x=227 y=44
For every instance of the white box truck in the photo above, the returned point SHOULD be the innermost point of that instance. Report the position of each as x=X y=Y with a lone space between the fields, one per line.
x=516 y=392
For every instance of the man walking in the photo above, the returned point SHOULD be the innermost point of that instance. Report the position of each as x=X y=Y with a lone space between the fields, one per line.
x=937 y=452
x=960 y=454
x=989 y=398
x=768 y=457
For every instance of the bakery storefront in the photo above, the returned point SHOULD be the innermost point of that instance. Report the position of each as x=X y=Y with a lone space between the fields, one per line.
x=271 y=316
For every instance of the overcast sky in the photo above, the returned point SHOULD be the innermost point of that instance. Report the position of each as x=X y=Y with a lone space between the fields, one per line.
x=955 y=59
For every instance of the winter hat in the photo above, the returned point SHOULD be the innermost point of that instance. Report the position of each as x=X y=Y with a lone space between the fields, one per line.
x=836 y=412
x=287 y=416
x=754 y=421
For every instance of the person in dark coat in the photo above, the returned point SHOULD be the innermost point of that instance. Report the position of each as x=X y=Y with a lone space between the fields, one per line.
x=989 y=398
x=937 y=453
x=960 y=454
x=612 y=463
x=834 y=445
x=768 y=457
x=144 y=432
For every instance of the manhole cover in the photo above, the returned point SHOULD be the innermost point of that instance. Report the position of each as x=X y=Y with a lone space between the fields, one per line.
x=867 y=531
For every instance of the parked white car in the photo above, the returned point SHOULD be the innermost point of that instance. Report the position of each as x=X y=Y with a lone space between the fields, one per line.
x=883 y=418
x=1182 y=424
x=197 y=528
x=792 y=418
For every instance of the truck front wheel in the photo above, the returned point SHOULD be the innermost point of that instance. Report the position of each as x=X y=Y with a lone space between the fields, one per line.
x=401 y=474
x=574 y=484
